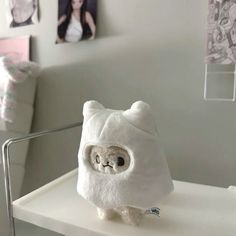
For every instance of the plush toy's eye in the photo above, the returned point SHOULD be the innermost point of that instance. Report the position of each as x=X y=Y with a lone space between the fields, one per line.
x=120 y=161
x=97 y=159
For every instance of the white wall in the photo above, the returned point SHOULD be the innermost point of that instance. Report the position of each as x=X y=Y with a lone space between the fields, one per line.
x=151 y=50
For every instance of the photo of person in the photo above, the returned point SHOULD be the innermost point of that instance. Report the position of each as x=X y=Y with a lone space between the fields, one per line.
x=22 y=12
x=76 y=20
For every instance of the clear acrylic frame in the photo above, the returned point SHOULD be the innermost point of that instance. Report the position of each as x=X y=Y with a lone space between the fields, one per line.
x=220 y=83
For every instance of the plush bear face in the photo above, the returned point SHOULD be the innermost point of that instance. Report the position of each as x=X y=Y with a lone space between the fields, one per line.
x=109 y=160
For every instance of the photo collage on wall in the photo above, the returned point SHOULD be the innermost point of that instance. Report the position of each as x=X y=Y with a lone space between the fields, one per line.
x=76 y=20
x=221 y=35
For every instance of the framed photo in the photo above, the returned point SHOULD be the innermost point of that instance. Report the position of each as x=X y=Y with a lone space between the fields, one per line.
x=21 y=12
x=76 y=20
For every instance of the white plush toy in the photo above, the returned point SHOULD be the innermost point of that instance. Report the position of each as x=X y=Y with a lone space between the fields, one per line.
x=122 y=169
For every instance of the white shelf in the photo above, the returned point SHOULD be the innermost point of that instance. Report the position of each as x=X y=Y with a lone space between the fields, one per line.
x=191 y=210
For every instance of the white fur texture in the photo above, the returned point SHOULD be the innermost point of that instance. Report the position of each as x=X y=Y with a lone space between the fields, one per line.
x=147 y=179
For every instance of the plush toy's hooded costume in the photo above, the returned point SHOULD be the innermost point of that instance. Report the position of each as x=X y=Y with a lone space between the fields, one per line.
x=146 y=181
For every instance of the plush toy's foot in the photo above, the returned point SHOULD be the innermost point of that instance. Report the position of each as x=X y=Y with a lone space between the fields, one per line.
x=130 y=215
x=106 y=214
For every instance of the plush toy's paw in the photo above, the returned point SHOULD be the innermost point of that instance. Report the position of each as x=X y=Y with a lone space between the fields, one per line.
x=131 y=216
x=106 y=214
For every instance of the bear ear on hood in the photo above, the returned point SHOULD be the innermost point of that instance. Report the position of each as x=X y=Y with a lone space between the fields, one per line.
x=90 y=108
x=141 y=117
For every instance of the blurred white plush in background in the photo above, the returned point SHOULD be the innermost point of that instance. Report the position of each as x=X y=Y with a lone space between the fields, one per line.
x=12 y=74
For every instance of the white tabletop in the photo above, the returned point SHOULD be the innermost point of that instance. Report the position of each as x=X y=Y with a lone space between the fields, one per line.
x=191 y=210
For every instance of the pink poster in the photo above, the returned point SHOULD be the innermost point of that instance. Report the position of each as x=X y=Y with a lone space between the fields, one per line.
x=16 y=48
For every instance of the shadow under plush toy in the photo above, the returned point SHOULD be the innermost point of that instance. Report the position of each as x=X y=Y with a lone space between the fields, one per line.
x=122 y=169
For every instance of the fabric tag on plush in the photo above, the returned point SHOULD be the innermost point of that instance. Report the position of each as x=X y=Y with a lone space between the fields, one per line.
x=221 y=34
